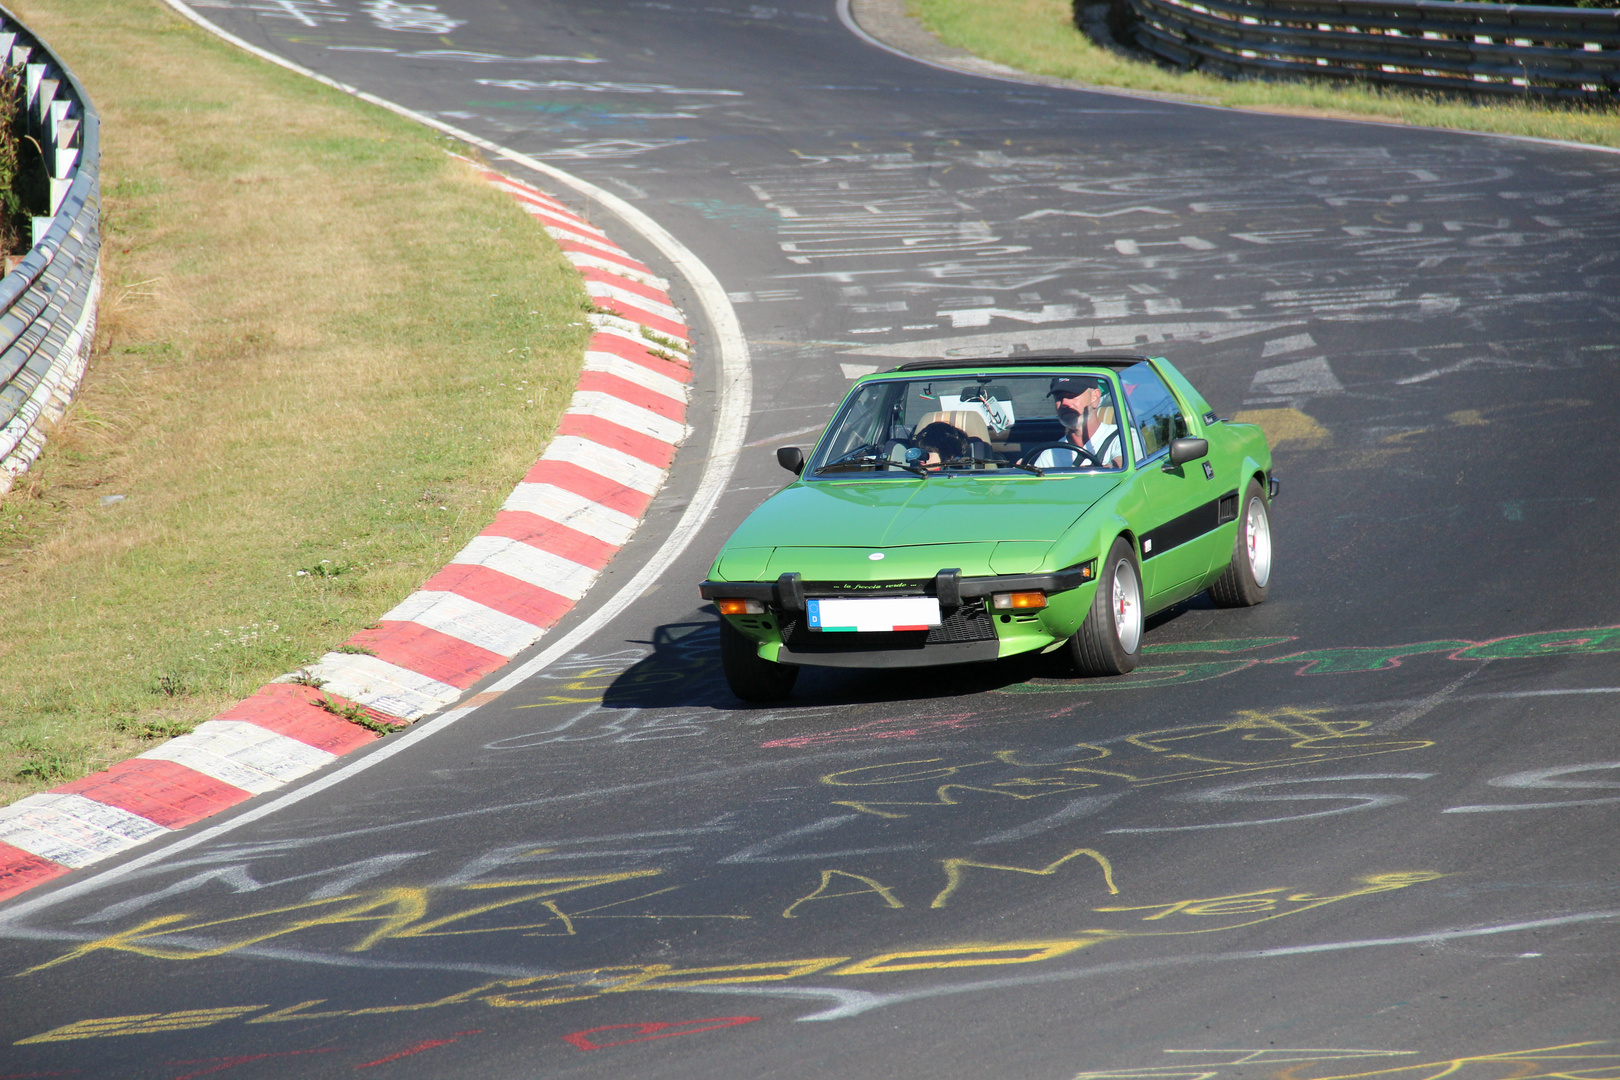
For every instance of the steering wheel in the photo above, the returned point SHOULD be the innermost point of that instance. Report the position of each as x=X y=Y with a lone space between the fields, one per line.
x=1028 y=456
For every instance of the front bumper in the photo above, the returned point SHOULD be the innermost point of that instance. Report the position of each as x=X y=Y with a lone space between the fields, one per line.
x=968 y=631
x=790 y=591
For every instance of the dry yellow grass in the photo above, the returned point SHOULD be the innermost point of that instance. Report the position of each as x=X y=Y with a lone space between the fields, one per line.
x=324 y=346
x=1039 y=36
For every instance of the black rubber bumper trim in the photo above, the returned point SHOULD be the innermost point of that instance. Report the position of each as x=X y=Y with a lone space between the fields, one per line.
x=965 y=652
x=1058 y=581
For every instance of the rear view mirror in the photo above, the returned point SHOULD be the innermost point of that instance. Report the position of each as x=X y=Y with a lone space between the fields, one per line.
x=1185 y=450
x=790 y=458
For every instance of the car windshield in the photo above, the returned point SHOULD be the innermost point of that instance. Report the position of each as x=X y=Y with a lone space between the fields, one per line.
x=922 y=426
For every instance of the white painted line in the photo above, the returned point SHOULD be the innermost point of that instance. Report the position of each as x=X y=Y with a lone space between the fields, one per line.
x=736 y=383
x=573 y=510
x=516 y=559
x=616 y=410
x=467 y=620
x=243 y=755
x=71 y=829
x=621 y=468
x=386 y=687
x=1291 y=343
x=630 y=371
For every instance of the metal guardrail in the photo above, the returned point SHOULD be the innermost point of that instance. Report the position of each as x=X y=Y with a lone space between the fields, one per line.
x=48 y=301
x=1473 y=48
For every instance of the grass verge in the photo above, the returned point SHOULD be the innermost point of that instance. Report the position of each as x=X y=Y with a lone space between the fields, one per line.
x=1039 y=36
x=326 y=353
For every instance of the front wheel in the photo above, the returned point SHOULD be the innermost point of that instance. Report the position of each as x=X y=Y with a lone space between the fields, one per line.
x=1109 y=642
x=1248 y=575
x=750 y=677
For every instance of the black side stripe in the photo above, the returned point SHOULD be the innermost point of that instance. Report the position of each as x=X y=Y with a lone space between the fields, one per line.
x=1190 y=526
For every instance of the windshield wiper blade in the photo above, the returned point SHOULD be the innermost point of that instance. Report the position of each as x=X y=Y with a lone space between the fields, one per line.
x=855 y=463
x=990 y=461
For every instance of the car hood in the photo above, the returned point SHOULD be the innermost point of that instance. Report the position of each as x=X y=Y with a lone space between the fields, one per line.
x=937 y=510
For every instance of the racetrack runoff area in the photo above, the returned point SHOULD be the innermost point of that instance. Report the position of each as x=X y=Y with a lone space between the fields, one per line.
x=327 y=352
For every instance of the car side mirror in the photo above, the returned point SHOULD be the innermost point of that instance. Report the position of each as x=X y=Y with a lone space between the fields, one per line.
x=1185 y=450
x=790 y=458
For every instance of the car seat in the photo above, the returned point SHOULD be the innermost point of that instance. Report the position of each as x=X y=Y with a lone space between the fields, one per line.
x=969 y=422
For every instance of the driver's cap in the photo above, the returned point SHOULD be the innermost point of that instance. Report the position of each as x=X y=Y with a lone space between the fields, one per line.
x=1067 y=387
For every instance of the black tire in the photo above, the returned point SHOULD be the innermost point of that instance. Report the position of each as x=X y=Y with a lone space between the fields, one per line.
x=1105 y=645
x=750 y=677
x=1248 y=575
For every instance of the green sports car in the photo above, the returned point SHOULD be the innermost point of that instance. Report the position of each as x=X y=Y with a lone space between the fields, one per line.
x=964 y=510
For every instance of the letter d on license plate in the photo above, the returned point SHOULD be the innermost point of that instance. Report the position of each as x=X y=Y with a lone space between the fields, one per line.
x=874 y=613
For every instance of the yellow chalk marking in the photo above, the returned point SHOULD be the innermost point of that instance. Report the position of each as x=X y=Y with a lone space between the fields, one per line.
x=143 y=1024
x=1517 y=1065
x=955 y=956
x=292 y=1012
x=954 y=868
x=872 y=887
x=1236 y=904
x=775 y=971
x=122 y=941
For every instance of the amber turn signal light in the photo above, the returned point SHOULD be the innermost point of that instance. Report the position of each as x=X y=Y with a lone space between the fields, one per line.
x=1016 y=600
x=740 y=607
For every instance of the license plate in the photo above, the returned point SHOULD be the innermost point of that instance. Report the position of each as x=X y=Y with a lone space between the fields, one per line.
x=887 y=613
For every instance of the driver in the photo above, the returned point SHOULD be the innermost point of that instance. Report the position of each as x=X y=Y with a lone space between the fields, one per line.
x=1079 y=406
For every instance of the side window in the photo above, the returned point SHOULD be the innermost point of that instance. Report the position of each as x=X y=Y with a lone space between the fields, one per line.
x=1155 y=416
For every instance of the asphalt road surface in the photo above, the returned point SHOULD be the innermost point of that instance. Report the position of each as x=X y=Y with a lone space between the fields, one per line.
x=1366 y=829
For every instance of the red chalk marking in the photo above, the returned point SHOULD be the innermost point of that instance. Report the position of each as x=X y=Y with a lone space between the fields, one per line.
x=233 y=1062
x=583 y=1040
x=417 y=1049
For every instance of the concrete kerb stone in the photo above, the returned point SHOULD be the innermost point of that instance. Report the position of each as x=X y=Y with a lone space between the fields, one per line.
x=561 y=526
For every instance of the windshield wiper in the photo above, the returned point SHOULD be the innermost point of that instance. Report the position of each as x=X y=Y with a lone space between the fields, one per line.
x=870 y=459
x=989 y=461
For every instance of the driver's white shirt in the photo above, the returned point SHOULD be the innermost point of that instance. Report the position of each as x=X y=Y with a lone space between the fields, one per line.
x=1103 y=446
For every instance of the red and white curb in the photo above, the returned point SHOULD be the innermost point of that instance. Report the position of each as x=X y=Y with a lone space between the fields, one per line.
x=574 y=509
